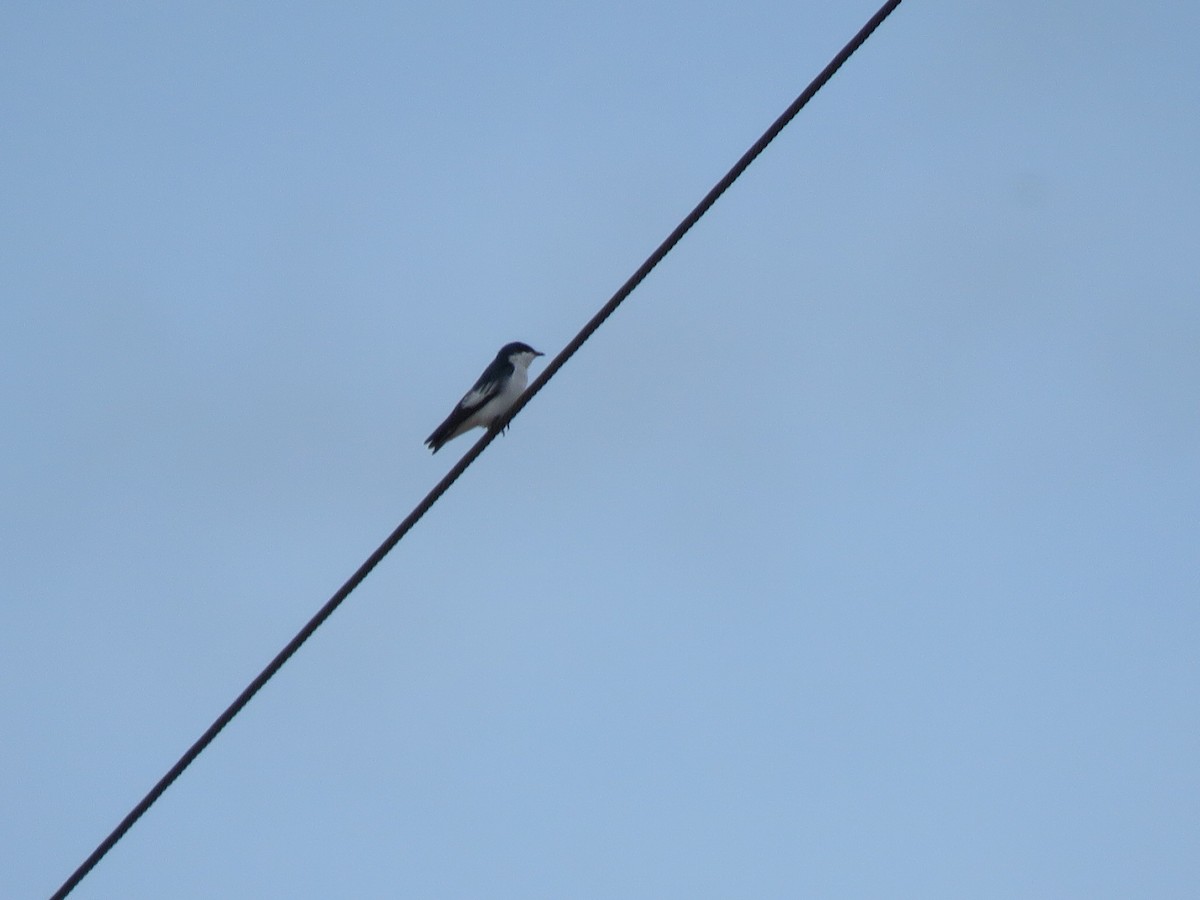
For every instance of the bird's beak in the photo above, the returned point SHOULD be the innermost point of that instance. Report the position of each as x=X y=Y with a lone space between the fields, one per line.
x=538 y=353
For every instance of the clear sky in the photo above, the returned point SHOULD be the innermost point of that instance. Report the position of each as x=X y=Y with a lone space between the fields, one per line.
x=857 y=556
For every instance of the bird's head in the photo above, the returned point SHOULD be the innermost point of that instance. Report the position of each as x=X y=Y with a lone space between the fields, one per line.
x=519 y=354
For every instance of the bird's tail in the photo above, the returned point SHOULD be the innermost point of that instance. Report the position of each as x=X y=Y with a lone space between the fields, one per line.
x=443 y=433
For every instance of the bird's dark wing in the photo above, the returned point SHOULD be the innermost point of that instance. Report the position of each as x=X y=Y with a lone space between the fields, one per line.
x=487 y=386
x=484 y=389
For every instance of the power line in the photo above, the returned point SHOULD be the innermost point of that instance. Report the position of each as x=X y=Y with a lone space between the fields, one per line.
x=442 y=486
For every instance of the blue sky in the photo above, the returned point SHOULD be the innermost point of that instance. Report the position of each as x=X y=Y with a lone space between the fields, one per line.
x=856 y=555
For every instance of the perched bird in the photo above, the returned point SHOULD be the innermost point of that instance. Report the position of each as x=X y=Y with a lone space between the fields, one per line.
x=493 y=394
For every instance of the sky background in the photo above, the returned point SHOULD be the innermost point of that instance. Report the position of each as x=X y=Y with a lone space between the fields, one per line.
x=856 y=556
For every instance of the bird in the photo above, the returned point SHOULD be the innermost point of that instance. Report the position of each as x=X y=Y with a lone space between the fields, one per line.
x=493 y=394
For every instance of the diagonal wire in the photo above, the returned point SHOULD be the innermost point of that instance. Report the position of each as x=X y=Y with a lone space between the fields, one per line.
x=461 y=466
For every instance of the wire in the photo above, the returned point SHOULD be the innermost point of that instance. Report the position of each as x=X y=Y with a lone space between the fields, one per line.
x=452 y=476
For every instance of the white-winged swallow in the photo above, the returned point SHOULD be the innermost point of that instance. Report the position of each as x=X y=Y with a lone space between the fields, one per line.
x=493 y=394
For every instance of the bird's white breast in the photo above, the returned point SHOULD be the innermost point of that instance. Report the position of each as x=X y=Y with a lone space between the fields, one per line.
x=504 y=398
